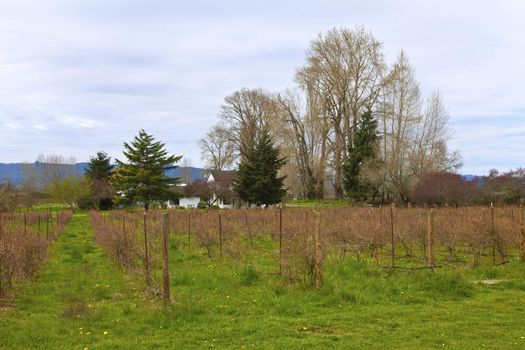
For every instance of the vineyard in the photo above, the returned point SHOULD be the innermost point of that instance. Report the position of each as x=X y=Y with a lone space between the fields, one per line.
x=297 y=242
x=334 y=277
x=24 y=239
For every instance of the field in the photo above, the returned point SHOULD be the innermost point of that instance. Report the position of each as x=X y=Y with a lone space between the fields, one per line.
x=227 y=291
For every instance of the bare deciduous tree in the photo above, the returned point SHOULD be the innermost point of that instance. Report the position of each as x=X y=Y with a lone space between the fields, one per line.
x=54 y=167
x=217 y=148
x=347 y=66
x=344 y=76
x=245 y=113
x=185 y=171
x=303 y=137
x=413 y=139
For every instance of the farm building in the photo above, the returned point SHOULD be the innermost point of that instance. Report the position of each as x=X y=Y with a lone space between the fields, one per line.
x=214 y=188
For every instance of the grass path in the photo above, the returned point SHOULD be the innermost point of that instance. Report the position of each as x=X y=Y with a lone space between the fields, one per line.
x=77 y=296
x=80 y=299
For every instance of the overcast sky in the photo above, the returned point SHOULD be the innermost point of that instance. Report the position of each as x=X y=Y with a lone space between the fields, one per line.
x=81 y=76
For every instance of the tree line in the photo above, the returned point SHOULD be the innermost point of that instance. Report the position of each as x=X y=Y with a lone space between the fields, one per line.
x=317 y=123
x=141 y=178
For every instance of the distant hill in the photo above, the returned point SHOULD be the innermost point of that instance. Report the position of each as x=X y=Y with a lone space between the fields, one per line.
x=14 y=172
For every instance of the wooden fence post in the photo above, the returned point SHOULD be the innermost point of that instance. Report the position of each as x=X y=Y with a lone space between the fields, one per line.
x=281 y=239
x=47 y=227
x=430 y=238
x=493 y=232
x=392 y=240
x=220 y=234
x=25 y=223
x=51 y=222
x=522 y=235
x=318 y=254
x=165 y=265
x=146 y=258
x=189 y=231
x=247 y=223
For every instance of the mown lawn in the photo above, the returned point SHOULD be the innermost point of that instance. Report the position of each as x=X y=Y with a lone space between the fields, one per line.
x=80 y=299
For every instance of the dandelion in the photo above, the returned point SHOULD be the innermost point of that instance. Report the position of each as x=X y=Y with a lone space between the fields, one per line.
x=105 y=333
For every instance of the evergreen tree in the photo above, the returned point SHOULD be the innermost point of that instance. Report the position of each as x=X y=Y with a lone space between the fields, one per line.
x=257 y=181
x=143 y=179
x=99 y=171
x=361 y=151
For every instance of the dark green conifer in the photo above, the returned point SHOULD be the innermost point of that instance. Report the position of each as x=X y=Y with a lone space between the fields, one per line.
x=360 y=152
x=257 y=178
x=142 y=179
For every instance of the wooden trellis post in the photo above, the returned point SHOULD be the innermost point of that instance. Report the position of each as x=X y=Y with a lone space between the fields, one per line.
x=318 y=253
x=146 y=257
x=220 y=234
x=522 y=235
x=51 y=222
x=189 y=231
x=47 y=227
x=281 y=239
x=392 y=240
x=493 y=232
x=165 y=265
x=430 y=238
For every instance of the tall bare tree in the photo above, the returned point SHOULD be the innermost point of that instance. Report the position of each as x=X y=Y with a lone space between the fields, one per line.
x=413 y=139
x=303 y=136
x=217 y=148
x=344 y=75
x=245 y=114
x=347 y=67
x=185 y=175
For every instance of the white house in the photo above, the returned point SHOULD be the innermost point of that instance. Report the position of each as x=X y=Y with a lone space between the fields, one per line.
x=184 y=202
x=218 y=183
x=224 y=180
x=189 y=202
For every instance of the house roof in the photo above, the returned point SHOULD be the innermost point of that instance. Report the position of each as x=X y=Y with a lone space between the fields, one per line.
x=225 y=176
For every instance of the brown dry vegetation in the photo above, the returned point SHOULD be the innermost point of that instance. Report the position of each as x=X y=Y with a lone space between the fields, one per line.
x=24 y=239
x=461 y=235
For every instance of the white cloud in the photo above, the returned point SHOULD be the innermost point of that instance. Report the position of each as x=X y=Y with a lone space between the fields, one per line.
x=78 y=122
x=77 y=77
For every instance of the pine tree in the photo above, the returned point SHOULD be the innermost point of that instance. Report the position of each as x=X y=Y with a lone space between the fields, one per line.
x=257 y=181
x=143 y=179
x=360 y=151
x=99 y=171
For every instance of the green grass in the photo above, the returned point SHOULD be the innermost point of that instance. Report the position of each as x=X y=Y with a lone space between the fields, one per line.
x=245 y=305
x=48 y=206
